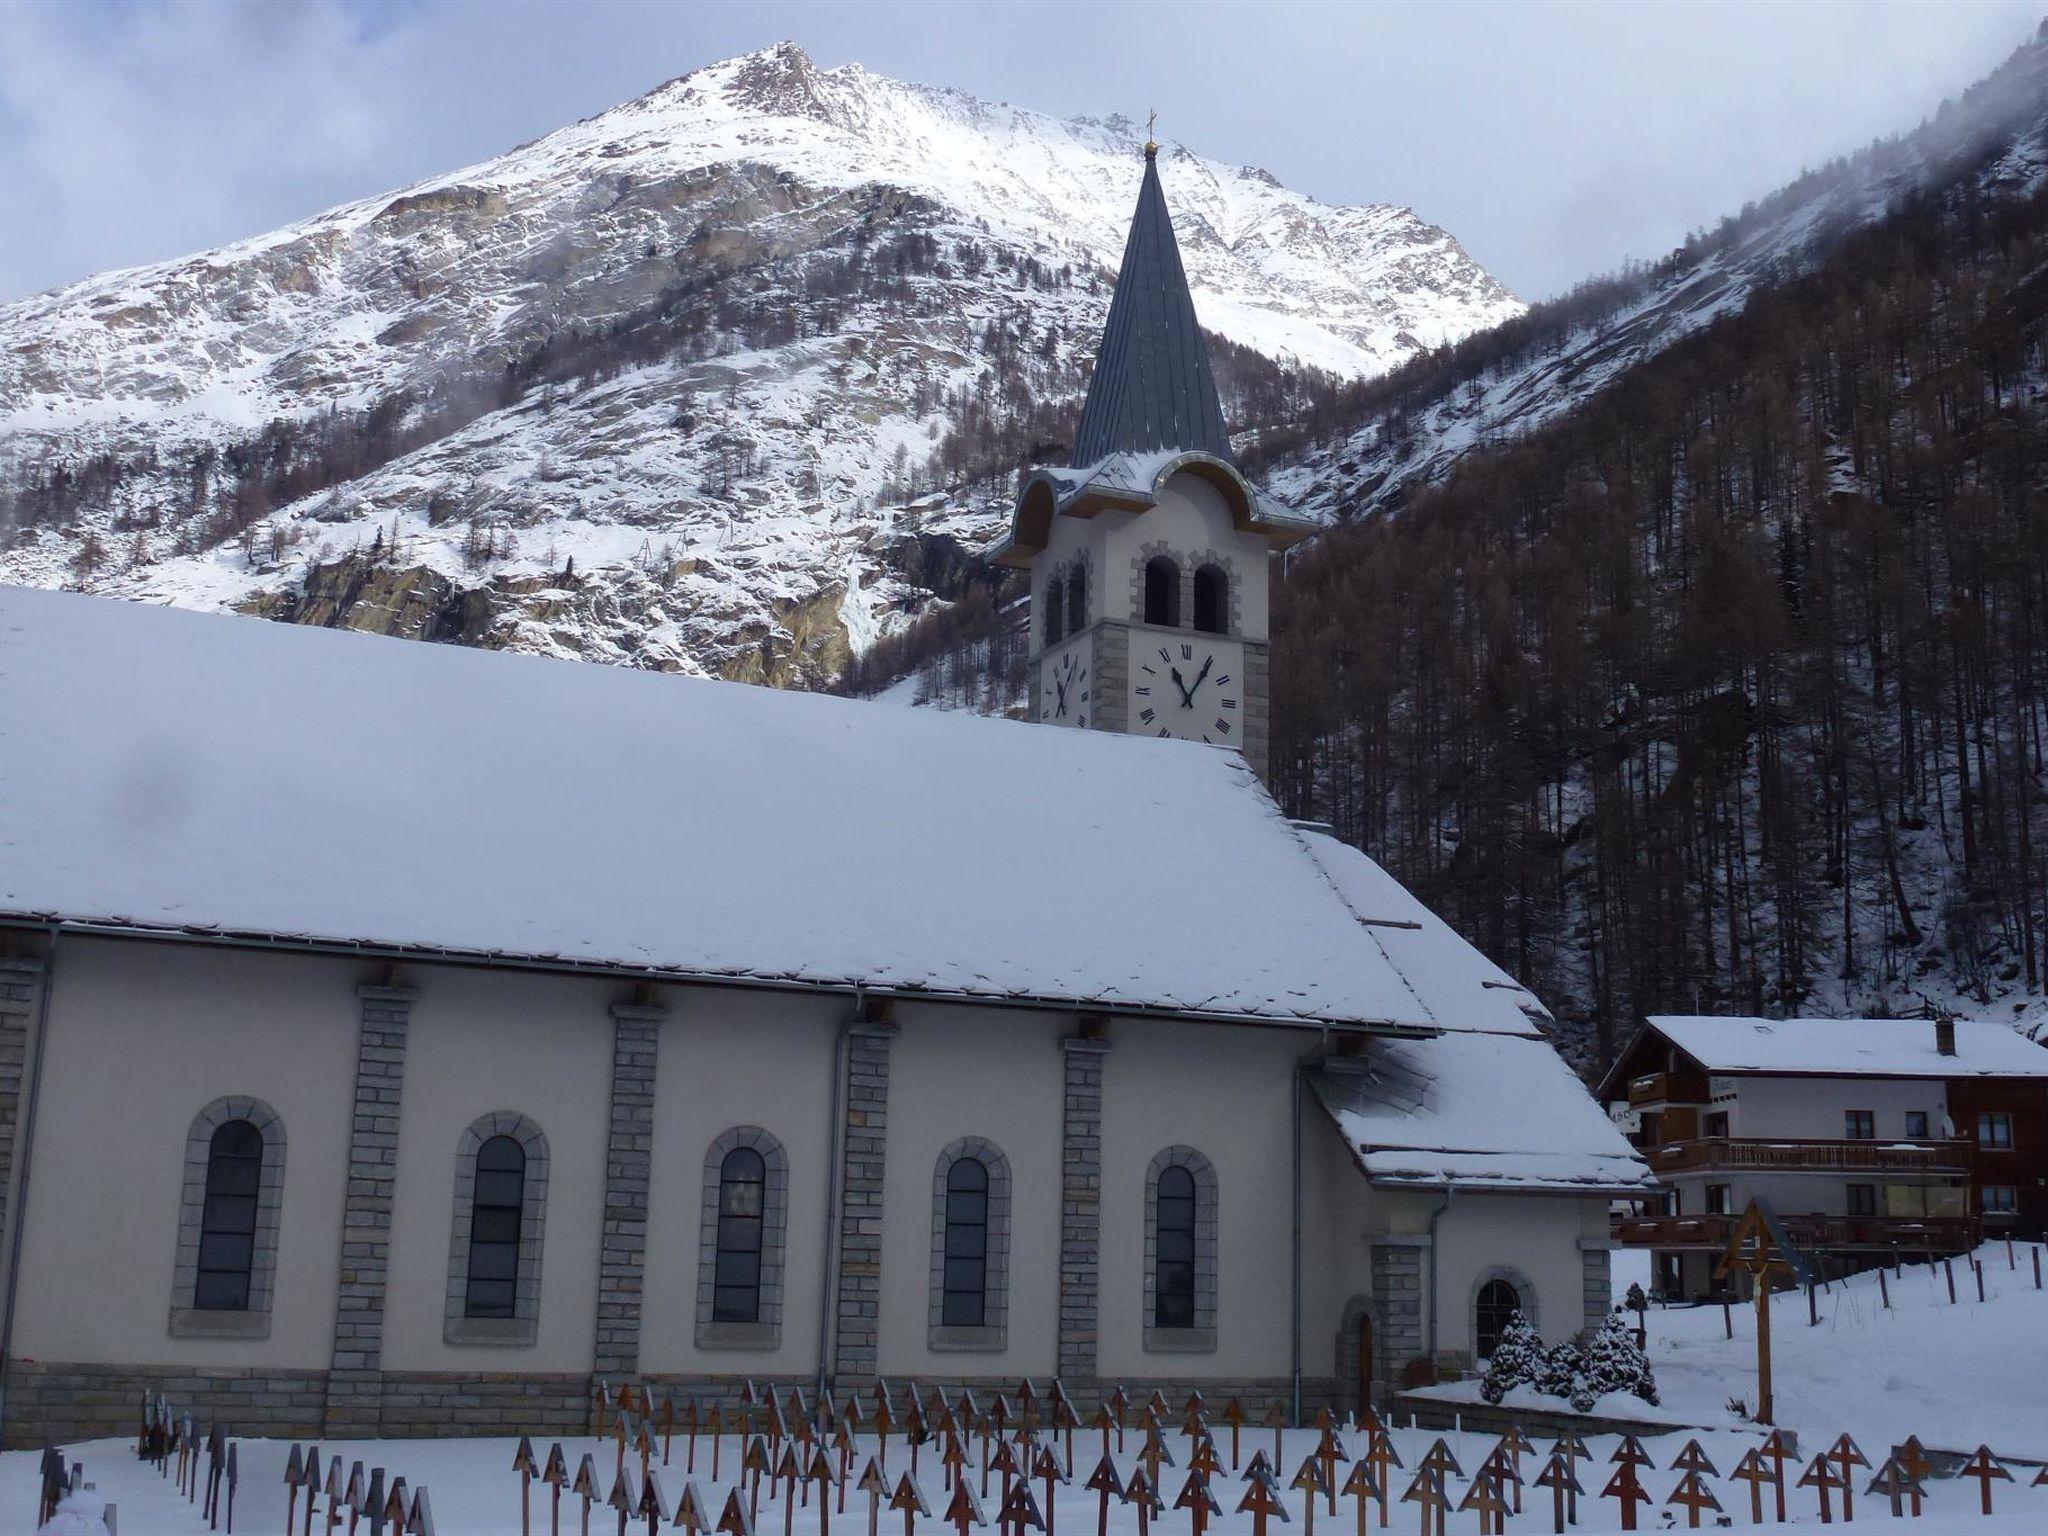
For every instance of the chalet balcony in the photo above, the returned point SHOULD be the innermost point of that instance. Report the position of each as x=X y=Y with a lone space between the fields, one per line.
x=1753 y=1154
x=1667 y=1088
x=1837 y=1234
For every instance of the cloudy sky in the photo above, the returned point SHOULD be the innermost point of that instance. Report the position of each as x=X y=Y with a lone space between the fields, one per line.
x=1553 y=139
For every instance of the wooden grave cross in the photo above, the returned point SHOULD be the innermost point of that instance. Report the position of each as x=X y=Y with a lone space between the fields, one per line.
x=1027 y=1400
x=964 y=1509
x=373 y=1501
x=1359 y=1485
x=556 y=1475
x=1119 y=1401
x=1329 y=1451
x=873 y=1482
x=643 y=1442
x=1693 y=1493
x=1897 y=1484
x=1760 y=1249
x=294 y=1475
x=624 y=1497
x=691 y=1515
x=312 y=1485
x=822 y=1472
x=337 y=1493
x=1157 y=1404
x=398 y=1506
x=1631 y=1452
x=692 y=1418
x=1847 y=1456
x=1485 y=1496
x=1276 y=1420
x=983 y=1428
x=1233 y=1415
x=1383 y=1458
x=1194 y=1406
x=999 y=1415
x=234 y=1478
x=714 y=1425
x=789 y=1471
x=1427 y=1490
x=216 y=1463
x=653 y=1506
x=1142 y=1491
x=1261 y=1499
x=1004 y=1464
x=1258 y=1467
x=1019 y=1511
x=914 y=1427
x=2040 y=1478
x=1064 y=1419
x=1157 y=1453
x=1500 y=1467
x=953 y=1460
x=421 y=1521
x=1562 y=1479
x=735 y=1519
x=584 y=1487
x=1626 y=1487
x=1203 y=1458
x=1986 y=1470
x=1519 y=1445
x=1105 y=1421
x=844 y=1444
x=884 y=1421
x=1047 y=1467
x=1311 y=1481
x=966 y=1412
x=1693 y=1458
x=1199 y=1500
x=1781 y=1448
x=1193 y=1422
x=1821 y=1476
x=1103 y=1482
x=1755 y=1470
x=910 y=1499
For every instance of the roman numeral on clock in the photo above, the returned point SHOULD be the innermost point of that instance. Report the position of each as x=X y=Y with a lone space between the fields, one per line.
x=1164 y=656
x=1223 y=680
x=1145 y=692
x=1223 y=726
x=1187 y=652
x=1228 y=703
x=1146 y=716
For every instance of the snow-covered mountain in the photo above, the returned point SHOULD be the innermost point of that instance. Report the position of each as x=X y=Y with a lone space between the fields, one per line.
x=671 y=386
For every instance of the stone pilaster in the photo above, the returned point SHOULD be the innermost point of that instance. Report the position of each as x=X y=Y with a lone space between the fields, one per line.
x=21 y=984
x=1080 y=1207
x=1258 y=706
x=1596 y=1258
x=1397 y=1262
x=863 y=1152
x=1110 y=705
x=355 y=1377
x=629 y=1161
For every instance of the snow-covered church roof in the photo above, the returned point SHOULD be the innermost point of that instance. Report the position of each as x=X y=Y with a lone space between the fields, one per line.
x=165 y=770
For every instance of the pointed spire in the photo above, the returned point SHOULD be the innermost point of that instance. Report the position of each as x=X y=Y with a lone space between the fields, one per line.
x=1152 y=387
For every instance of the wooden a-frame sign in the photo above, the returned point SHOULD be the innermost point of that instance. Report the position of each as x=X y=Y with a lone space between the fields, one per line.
x=1760 y=1248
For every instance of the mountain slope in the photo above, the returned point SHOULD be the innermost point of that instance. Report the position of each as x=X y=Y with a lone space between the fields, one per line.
x=635 y=391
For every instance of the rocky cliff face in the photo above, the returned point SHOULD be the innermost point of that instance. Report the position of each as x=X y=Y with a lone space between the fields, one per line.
x=671 y=387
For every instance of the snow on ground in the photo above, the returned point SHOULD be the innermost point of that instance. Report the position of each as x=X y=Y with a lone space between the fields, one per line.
x=474 y=1492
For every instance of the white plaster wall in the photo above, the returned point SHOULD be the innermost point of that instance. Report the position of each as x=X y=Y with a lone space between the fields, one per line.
x=1225 y=1092
x=1338 y=1211
x=1536 y=1235
x=1812 y=1107
x=993 y=1073
x=731 y=1058
x=141 y=1036
x=481 y=1041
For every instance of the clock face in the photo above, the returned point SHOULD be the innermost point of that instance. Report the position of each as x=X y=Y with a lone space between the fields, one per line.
x=1187 y=687
x=1064 y=689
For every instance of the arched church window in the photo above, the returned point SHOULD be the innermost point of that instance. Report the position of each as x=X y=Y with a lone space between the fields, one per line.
x=1077 y=600
x=1497 y=1304
x=1054 y=609
x=227 y=1232
x=742 y=1187
x=495 y=1215
x=1162 y=592
x=1174 y=1285
x=1212 y=600
x=965 y=1302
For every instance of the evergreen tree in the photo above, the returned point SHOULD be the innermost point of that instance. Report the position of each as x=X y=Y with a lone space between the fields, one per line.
x=1517 y=1360
x=1614 y=1363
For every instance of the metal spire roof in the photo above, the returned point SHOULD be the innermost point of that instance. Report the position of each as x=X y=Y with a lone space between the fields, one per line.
x=1152 y=387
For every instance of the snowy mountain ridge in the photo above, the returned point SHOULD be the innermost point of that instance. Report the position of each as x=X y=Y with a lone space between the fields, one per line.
x=637 y=390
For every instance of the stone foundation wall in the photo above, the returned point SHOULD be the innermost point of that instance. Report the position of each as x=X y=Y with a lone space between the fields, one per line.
x=60 y=1403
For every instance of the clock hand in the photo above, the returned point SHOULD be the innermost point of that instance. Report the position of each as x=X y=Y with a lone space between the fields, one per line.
x=1062 y=687
x=1187 y=700
x=1207 y=663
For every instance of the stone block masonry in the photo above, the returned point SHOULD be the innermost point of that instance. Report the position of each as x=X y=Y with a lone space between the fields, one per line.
x=354 y=1379
x=20 y=988
x=863 y=1153
x=1080 y=1206
x=1596 y=1258
x=1397 y=1287
x=629 y=1161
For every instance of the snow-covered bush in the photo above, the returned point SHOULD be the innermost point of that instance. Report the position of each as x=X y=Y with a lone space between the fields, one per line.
x=1565 y=1375
x=1517 y=1360
x=1615 y=1363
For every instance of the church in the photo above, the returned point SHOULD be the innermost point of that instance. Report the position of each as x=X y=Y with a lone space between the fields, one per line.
x=396 y=1038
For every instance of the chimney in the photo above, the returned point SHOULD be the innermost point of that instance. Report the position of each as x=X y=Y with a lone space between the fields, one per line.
x=1945 y=1035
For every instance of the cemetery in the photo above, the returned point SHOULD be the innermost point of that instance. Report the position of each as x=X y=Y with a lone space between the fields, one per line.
x=1879 y=1417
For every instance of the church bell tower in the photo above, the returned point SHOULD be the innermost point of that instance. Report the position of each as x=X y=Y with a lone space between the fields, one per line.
x=1149 y=551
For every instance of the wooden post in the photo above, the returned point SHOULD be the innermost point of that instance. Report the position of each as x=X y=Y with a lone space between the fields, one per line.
x=1979 y=1268
x=1884 y=1289
x=1727 y=1317
x=1763 y=1349
x=1949 y=1270
x=2037 y=1266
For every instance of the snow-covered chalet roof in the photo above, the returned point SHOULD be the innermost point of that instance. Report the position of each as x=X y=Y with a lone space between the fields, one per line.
x=1851 y=1047
x=165 y=770
x=1478 y=1112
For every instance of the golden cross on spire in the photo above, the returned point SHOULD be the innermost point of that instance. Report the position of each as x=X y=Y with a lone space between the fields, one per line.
x=1151 y=123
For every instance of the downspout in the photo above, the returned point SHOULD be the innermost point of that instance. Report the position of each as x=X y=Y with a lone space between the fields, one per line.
x=1436 y=1270
x=828 y=1283
x=28 y=1142
x=1301 y=1067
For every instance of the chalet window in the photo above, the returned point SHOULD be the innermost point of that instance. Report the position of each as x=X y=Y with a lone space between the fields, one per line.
x=1859 y=1124
x=965 y=1303
x=741 y=1236
x=1077 y=600
x=2000 y=1199
x=1717 y=1199
x=1994 y=1129
x=227 y=1233
x=1916 y=1125
x=494 y=1248
x=1671 y=1202
x=742 y=1207
x=1180 y=1253
x=494 y=1221
x=1717 y=1123
x=1862 y=1199
x=1212 y=600
x=1054 y=609
x=1497 y=1305
x=1162 y=592
x=223 y=1277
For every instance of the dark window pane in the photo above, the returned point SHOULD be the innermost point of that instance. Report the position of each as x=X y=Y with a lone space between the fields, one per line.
x=736 y=1304
x=227 y=1221
x=1498 y=1304
x=495 y=1223
x=742 y=1199
x=1173 y=1265
x=1162 y=592
x=226 y=1251
x=489 y=1298
x=963 y=1309
x=738 y=1268
x=1212 y=590
x=217 y=1292
x=967 y=1174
